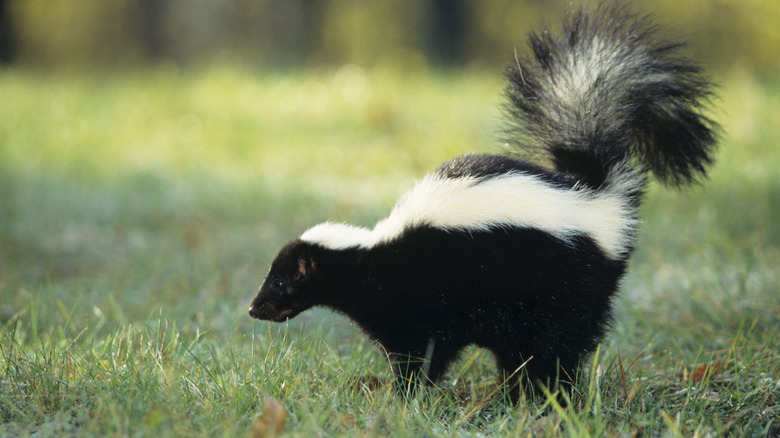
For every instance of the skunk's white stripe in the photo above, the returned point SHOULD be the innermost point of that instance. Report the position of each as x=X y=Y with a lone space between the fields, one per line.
x=337 y=236
x=512 y=200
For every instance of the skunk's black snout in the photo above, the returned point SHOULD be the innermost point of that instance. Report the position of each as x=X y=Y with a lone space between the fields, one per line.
x=255 y=309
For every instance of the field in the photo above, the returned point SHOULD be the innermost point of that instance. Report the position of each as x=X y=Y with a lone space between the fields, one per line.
x=139 y=211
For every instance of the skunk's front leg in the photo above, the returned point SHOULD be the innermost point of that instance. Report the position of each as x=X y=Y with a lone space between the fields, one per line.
x=421 y=366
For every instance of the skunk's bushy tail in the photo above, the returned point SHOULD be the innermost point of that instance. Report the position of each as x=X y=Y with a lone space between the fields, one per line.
x=609 y=97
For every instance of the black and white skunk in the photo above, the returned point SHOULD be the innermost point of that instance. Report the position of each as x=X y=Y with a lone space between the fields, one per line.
x=518 y=258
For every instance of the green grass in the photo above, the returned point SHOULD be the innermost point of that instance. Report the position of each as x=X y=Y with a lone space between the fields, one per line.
x=139 y=212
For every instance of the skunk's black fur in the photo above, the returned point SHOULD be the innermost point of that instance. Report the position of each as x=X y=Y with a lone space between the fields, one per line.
x=520 y=259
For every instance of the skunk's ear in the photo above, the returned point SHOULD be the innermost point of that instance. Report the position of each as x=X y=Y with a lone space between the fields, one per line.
x=306 y=264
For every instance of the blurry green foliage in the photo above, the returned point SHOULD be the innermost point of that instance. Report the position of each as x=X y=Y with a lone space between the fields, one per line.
x=726 y=33
x=743 y=34
x=71 y=33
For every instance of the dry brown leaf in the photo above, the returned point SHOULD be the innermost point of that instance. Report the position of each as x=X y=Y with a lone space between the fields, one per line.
x=269 y=423
x=366 y=383
x=545 y=424
x=705 y=371
x=348 y=420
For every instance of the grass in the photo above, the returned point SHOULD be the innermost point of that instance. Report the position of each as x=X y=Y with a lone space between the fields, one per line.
x=139 y=212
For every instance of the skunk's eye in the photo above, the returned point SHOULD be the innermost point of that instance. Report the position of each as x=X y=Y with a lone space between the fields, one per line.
x=276 y=283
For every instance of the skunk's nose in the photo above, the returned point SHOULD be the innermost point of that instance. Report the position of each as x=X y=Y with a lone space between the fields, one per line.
x=252 y=312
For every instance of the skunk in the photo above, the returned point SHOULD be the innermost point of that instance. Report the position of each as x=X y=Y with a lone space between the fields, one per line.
x=522 y=258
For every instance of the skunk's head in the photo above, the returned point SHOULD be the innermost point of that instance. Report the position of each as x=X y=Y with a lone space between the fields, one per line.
x=291 y=284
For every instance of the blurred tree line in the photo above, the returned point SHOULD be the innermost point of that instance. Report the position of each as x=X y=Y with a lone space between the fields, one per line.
x=300 y=33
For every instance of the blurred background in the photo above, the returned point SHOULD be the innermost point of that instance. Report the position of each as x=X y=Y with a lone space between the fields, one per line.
x=727 y=34
x=159 y=152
